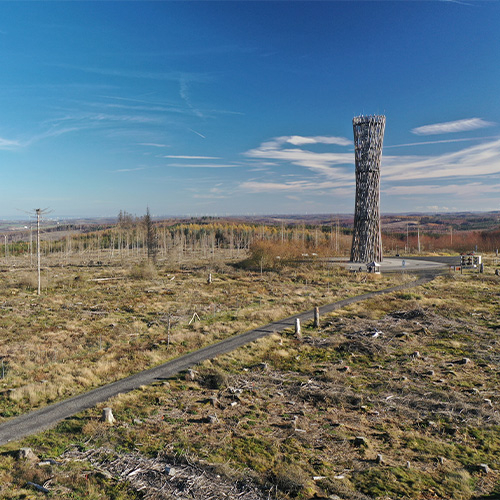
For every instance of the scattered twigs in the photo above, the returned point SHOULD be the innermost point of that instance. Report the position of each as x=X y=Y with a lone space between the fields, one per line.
x=156 y=478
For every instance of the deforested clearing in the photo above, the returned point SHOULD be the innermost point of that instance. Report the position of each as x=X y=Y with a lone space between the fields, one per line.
x=393 y=397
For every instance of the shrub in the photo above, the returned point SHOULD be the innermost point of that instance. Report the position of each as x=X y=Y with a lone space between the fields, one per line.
x=214 y=380
x=290 y=479
x=272 y=255
x=28 y=281
x=143 y=271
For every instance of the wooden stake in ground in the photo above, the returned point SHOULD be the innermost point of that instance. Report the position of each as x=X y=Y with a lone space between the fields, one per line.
x=316 y=317
x=297 y=327
x=168 y=330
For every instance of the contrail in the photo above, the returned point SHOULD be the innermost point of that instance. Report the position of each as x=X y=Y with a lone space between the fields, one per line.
x=197 y=133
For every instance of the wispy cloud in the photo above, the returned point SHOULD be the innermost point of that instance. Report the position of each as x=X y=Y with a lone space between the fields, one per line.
x=153 y=145
x=298 y=140
x=471 y=189
x=294 y=186
x=458 y=2
x=209 y=196
x=483 y=159
x=8 y=144
x=185 y=157
x=153 y=108
x=444 y=141
x=185 y=96
x=103 y=117
x=128 y=169
x=52 y=132
x=323 y=163
x=162 y=106
x=452 y=127
x=83 y=119
x=214 y=193
x=72 y=121
x=202 y=165
x=435 y=208
x=116 y=124
x=203 y=51
x=175 y=76
x=333 y=172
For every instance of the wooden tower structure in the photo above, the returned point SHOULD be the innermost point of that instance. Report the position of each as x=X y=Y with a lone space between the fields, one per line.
x=368 y=138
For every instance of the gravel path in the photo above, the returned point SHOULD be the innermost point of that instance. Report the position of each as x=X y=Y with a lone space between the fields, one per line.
x=45 y=418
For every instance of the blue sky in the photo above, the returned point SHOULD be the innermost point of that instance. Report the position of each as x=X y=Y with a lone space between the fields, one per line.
x=234 y=107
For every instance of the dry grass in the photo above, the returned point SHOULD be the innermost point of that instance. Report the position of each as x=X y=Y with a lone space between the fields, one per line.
x=414 y=373
x=94 y=324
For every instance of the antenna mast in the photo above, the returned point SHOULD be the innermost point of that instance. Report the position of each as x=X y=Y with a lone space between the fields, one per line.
x=38 y=214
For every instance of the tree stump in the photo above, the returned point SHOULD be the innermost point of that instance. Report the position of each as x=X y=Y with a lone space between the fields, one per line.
x=107 y=416
x=360 y=441
x=26 y=454
x=212 y=419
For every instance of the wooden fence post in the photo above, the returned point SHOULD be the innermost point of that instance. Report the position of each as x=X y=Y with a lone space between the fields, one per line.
x=297 y=327
x=316 y=317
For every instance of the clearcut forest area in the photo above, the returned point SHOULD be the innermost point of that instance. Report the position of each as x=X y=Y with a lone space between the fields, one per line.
x=394 y=397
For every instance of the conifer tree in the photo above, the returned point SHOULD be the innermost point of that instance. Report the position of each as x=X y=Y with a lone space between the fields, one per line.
x=151 y=236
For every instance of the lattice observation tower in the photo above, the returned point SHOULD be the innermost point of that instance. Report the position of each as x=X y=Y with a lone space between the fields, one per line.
x=367 y=238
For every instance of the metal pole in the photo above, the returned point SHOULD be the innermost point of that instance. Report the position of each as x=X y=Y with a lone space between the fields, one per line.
x=38 y=212
x=337 y=234
x=31 y=245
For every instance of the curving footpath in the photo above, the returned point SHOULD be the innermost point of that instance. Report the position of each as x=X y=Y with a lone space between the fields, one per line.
x=45 y=418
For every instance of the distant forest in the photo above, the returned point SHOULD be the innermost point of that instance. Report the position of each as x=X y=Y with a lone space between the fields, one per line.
x=283 y=238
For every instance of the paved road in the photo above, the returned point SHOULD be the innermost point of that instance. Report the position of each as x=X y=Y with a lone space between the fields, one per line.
x=411 y=264
x=45 y=418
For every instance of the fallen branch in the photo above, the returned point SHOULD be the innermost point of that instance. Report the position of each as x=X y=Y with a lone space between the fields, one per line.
x=38 y=487
x=195 y=316
x=108 y=279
